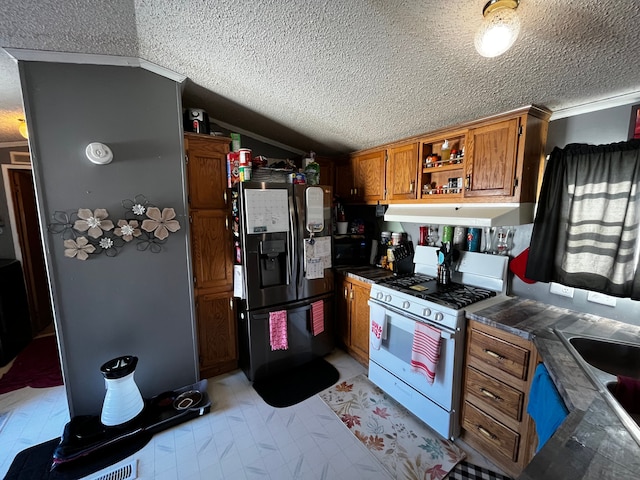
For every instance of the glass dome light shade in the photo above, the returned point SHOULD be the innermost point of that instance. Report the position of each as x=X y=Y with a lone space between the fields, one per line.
x=22 y=128
x=498 y=32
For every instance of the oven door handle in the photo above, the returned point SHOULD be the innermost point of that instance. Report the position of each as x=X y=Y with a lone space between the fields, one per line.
x=406 y=317
x=446 y=334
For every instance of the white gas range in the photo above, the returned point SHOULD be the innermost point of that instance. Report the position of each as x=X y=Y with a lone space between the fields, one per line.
x=478 y=281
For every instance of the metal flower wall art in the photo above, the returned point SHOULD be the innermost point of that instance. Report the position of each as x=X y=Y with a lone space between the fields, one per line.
x=89 y=232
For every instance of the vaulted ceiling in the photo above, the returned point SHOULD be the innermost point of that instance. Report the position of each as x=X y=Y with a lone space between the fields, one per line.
x=340 y=76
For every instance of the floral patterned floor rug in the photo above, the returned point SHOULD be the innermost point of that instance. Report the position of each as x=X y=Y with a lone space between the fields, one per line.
x=404 y=445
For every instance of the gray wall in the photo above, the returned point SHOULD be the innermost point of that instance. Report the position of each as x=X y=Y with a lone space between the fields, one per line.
x=601 y=127
x=137 y=302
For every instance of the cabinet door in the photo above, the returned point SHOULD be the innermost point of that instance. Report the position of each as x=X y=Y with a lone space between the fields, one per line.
x=344 y=317
x=369 y=176
x=327 y=171
x=402 y=172
x=211 y=249
x=215 y=318
x=207 y=170
x=360 y=321
x=344 y=179
x=490 y=166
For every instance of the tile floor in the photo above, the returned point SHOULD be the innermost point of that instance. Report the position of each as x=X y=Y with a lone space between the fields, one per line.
x=241 y=438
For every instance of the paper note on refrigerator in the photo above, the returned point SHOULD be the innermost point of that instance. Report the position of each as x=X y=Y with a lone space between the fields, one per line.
x=238 y=282
x=317 y=256
x=267 y=211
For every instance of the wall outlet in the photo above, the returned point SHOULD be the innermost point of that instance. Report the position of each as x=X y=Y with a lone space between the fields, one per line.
x=560 y=289
x=601 y=298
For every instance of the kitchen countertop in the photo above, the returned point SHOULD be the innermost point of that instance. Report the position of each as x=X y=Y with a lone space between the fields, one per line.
x=364 y=273
x=592 y=442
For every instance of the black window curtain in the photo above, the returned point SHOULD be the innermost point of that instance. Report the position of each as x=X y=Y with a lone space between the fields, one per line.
x=586 y=226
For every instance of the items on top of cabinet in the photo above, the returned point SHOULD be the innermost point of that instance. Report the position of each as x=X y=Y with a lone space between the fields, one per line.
x=196 y=120
x=235 y=142
x=312 y=169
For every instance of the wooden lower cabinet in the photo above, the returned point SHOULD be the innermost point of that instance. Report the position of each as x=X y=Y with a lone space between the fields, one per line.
x=353 y=318
x=216 y=321
x=499 y=368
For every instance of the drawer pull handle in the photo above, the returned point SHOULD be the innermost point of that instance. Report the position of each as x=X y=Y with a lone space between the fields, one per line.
x=491 y=395
x=486 y=433
x=493 y=354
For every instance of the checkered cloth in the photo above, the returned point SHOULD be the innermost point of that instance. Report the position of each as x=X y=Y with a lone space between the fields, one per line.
x=467 y=471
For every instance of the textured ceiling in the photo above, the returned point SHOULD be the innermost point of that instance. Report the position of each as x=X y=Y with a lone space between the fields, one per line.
x=336 y=76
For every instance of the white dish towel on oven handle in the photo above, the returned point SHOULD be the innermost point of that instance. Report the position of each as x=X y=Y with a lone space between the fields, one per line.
x=377 y=326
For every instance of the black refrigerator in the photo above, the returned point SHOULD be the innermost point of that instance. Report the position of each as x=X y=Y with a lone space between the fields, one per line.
x=283 y=273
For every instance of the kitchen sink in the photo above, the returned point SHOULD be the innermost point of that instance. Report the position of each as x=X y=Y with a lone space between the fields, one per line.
x=613 y=357
x=603 y=360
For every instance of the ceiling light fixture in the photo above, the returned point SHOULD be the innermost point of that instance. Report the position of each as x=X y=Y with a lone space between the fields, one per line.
x=499 y=28
x=22 y=128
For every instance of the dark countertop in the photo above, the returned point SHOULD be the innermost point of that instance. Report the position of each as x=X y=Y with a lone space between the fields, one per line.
x=592 y=442
x=364 y=273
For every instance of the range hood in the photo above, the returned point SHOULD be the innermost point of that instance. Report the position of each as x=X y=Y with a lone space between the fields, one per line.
x=465 y=214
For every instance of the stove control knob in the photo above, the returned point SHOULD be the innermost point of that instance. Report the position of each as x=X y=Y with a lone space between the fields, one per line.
x=439 y=317
x=387 y=298
x=379 y=295
x=406 y=305
x=426 y=312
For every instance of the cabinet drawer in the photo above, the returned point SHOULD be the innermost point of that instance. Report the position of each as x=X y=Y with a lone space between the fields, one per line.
x=489 y=432
x=483 y=390
x=503 y=355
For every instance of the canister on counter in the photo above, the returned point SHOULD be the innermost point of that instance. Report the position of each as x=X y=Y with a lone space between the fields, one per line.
x=396 y=238
x=385 y=239
x=473 y=239
x=459 y=237
x=447 y=233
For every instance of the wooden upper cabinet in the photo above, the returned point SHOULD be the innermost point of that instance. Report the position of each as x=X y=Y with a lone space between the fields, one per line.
x=498 y=159
x=327 y=170
x=369 y=175
x=491 y=159
x=402 y=172
x=344 y=186
x=207 y=170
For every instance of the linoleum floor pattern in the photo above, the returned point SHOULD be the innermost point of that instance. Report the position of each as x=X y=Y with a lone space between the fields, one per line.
x=241 y=438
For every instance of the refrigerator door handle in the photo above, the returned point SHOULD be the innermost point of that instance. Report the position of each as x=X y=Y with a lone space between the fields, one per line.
x=265 y=316
x=293 y=256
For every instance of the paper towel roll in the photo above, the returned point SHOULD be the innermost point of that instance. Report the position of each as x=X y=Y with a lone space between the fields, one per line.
x=374 y=252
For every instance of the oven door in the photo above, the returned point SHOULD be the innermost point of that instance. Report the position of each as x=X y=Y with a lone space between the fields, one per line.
x=394 y=355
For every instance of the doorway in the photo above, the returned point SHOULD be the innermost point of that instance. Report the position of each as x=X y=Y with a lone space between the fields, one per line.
x=23 y=215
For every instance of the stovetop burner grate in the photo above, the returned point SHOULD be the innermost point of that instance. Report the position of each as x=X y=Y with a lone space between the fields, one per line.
x=453 y=295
